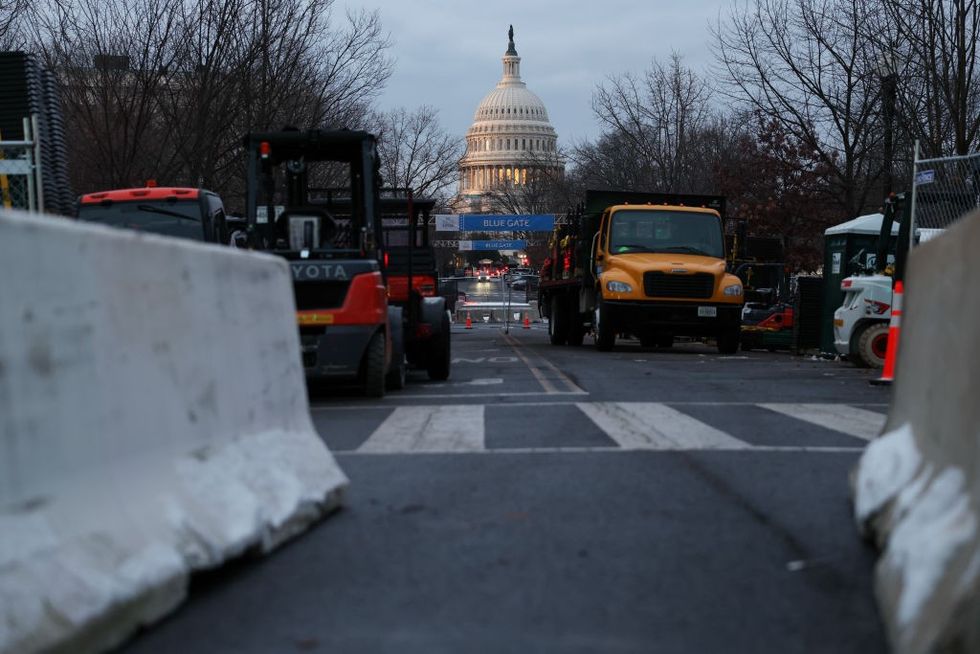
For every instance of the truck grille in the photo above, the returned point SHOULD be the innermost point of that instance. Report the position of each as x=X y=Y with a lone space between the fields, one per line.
x=319 y=295
x=660 y=284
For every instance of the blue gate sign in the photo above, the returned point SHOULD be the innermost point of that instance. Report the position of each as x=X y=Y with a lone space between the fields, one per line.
x=496 y=245
x=507 y=222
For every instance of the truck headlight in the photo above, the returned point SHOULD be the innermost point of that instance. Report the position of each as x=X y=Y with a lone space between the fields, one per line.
x=619 y=287
x=735 y=290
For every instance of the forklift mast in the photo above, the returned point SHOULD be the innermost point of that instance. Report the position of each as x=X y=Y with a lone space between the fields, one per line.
x=285 y=212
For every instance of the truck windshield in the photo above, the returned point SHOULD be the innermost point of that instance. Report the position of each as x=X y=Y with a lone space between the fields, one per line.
x=178 y=219
x=684 y=232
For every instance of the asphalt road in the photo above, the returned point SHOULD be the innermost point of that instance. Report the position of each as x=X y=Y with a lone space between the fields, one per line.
x=564 y=500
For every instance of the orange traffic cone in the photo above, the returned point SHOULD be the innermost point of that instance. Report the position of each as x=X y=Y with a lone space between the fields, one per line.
x=527 y=322
x=894 y=331
x=469 y=321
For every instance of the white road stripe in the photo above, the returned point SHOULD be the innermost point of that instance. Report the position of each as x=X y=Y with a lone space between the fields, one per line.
x=839 y=417
x=814 y=449
x=654 y=426
x=504 y=405
x=451 y=428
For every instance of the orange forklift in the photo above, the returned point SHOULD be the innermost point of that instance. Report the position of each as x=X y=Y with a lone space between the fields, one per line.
x=312 y=198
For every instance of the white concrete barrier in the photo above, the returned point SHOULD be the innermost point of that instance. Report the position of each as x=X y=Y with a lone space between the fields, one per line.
x=917 y=487
x=153 y=422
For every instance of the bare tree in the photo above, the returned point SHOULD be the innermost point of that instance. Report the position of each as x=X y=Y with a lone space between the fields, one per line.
x=932 y=47
x=416 y=152
x=653 y=120
x=12 y=12
x=166 y=88
x=115 y=58
x=808 y=65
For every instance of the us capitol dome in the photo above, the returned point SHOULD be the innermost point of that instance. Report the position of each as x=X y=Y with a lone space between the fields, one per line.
x=511 y=143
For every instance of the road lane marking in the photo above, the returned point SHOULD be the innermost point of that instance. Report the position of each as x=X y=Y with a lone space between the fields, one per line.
x=555 y=402
x=838 y=417
x=452 y=428
x=655 y=426
x=599 y=449
x=546 y=384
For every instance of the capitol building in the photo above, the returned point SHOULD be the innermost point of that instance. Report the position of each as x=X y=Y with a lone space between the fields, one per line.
x=511 y=143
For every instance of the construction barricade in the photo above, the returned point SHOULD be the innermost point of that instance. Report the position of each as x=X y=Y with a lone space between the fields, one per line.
x=153 y=422
x=514 y=313
x=917 y=487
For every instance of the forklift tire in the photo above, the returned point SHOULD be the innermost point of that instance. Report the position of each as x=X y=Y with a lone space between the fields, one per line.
x=557 y=327
x=604 y=332
x=438 y=362
x=728 y=341
x=872 y=344
x=374 y=367
x=395 y=381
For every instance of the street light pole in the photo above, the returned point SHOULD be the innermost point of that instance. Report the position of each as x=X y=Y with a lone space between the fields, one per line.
x=889 y=84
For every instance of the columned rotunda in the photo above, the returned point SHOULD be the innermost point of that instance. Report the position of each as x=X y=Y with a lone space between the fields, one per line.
x=511 y=143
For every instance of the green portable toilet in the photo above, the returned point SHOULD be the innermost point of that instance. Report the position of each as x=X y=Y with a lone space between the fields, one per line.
x=841 y=244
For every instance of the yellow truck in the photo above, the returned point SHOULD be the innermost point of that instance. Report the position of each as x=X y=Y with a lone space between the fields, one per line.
x=649 y=265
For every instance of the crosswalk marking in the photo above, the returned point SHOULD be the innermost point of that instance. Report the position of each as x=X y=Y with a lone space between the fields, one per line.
x=655 y=426
x=629 y=426
x=839 y=417
x=453 y=428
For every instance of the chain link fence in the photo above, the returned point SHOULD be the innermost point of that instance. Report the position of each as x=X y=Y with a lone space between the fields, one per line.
x=944 y=190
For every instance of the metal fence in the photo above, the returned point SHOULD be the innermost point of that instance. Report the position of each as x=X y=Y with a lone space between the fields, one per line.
x=21 y=182
x=944 y=190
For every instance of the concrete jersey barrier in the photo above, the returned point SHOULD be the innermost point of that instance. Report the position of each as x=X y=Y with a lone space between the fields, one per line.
x=153 y=422
x=917 y=487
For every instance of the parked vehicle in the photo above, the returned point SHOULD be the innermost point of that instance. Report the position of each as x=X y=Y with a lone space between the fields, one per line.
x=648 y=264
x=190 y=213
x=861 y=322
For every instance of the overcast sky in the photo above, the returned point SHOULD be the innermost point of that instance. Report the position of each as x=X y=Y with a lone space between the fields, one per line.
x=447 y=53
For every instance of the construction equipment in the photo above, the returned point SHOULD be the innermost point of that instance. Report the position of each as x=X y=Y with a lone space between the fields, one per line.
x=647 y=264
x=413 y=282
x=312 y=197
x=861 y=322
x=767 y=317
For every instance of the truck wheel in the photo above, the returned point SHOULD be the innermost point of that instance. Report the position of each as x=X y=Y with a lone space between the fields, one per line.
x=728 y=340
x=374 y=366
x=439 y=357
x=557 y=325
x=605 y=334
x=872 y=345
x=665 y=341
